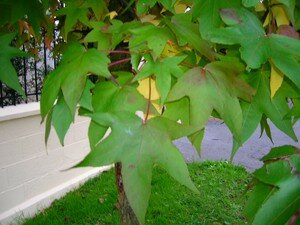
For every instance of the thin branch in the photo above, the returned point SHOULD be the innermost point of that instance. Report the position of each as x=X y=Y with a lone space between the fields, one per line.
x=119 y=62
x=119 y=52
x=188 y=64
x=113 y=79
x=133 y=72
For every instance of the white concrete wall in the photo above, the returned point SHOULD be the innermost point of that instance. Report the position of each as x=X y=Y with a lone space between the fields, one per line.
x=30 y=173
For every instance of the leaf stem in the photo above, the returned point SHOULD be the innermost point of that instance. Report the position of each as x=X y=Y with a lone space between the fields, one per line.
x=119 y=52
x=188 y=64
x=149 y=101
x=294 y=218
x=113 y=79
x=119 y=62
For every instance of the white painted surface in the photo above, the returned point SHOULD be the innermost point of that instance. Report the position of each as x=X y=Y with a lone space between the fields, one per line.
x=38 y=202
x=31 y=175
x=20 y=111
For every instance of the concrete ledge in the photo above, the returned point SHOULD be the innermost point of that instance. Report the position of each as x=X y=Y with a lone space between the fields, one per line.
x=30 y=174
x=39 y=202
x=19 y=111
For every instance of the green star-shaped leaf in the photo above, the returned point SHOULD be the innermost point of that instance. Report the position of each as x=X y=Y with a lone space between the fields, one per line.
x=8 y=73
x=150 y=37
x=281 y=204
x=108 y=97
x=79 y=10
x=61 y=119
x=74 y=11
x=275 y=196
x=138 y=146
x=99 y=7
x=208 y=13
x=70 y=76
x=214 y=87
x=144 y=5
x=257 y=47
x=98 y=36
x=187 y=33
x=162 y=69
x=274 y=109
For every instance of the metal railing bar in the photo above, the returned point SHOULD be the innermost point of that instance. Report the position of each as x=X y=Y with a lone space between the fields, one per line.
x=45 y=54
x=25 y=74
x=35 y=78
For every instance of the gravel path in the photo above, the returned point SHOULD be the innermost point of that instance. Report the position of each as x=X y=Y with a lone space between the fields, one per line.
x=217 y=145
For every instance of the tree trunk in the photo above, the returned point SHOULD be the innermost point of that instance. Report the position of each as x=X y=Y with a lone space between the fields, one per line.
x=127 y=216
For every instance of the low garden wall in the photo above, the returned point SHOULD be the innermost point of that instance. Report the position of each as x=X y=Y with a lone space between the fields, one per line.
x=31 y=174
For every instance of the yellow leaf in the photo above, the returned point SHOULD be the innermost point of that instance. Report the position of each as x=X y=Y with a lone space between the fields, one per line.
x=112 y=14
x=260 y=7
x=198 y=58
x=170 y=49
x=158 y=107
x=276 y=79
x=143 y=88
x=280 y=15
x=150 y=19
x=180 y=7
x=267 y=20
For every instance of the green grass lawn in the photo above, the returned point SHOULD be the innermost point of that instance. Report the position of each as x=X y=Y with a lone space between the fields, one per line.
x=222 y=199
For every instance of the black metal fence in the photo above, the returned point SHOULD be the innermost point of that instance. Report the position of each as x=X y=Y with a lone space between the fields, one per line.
x=31 y=72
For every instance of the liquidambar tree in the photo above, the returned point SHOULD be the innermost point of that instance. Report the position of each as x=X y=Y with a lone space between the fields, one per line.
x=150 y=72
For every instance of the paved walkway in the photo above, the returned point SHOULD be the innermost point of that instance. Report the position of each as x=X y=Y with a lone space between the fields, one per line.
x=217 y=145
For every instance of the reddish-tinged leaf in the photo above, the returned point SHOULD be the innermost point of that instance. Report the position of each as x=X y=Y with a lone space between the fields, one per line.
x=230 y=17
x=213 y=87
x=288 y=30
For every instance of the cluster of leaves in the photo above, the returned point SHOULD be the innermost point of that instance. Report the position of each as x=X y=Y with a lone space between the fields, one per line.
x=275 y=196
x=188 y=60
